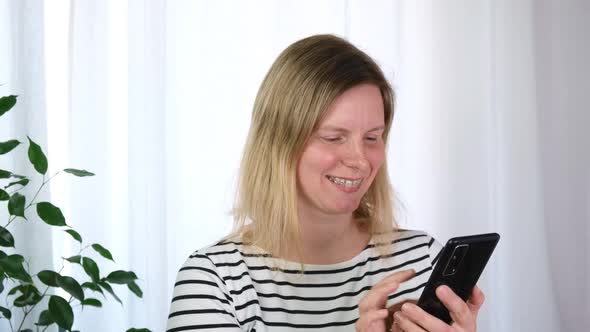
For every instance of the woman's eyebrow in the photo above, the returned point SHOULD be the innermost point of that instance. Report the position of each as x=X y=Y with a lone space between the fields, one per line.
x=377 y=128
x=333 y=128
x=340 y=129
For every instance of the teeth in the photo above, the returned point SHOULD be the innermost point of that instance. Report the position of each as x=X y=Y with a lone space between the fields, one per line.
x=346 y=183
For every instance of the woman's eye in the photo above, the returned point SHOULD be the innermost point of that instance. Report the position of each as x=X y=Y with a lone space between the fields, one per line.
x=371 y=138
x=332 y=139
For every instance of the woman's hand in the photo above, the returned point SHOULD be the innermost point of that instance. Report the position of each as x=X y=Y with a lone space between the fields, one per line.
x=372 y=311
x=412 y=318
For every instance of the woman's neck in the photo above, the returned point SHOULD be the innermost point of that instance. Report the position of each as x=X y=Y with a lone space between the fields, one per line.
x=329 y=239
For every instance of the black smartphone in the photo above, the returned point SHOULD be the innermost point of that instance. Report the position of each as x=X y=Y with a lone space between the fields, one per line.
x=459 y=266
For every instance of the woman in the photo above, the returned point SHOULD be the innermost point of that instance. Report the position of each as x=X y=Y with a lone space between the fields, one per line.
x=315 y=245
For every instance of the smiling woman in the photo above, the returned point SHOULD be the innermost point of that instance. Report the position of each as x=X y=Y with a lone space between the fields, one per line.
x=304 y=103
x=315 y=244
x=343 y=156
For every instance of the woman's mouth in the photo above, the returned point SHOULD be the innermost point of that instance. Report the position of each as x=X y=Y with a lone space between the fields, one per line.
x=347 y=183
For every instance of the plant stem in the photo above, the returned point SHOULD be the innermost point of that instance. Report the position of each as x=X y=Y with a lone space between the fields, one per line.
x=23 y=321
x=41 y=187
x=54 y=175
x=17 y=190
x=36 y=194
x=11 y=327
x=34 y=305
x=10 y=220
x=8 y=305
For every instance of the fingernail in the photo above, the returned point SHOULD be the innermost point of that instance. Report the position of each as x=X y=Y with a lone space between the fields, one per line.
x=407 y=307
x=443 y=290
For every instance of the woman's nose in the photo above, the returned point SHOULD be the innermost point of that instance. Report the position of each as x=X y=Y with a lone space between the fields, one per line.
x=355 y=157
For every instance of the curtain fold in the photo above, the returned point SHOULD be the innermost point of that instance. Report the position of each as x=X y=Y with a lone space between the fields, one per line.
x=519 y=180
x=148 y=146
x=489 y=133
x=22 y=73
x=562 y=83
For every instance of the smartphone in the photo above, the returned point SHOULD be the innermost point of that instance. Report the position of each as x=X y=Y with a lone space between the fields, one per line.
x=459 y=266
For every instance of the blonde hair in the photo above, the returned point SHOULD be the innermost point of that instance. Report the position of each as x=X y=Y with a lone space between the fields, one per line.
x=294 y=96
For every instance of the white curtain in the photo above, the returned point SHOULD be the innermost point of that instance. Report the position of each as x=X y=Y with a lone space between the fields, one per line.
x=22 y=73
x=155 y=97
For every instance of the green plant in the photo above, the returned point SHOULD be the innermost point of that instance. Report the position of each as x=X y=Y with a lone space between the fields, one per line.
x=30 y=290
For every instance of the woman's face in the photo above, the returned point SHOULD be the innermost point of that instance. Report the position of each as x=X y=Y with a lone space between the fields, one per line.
x=342 y=157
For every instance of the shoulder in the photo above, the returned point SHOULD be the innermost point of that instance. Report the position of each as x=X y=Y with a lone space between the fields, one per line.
x=201 y=294
x=219 y=254
x=221 y=251
x=206 y=259
x=403 y=235
x=226 y=258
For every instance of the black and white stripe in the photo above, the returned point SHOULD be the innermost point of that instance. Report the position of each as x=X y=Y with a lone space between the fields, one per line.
x=232 y=286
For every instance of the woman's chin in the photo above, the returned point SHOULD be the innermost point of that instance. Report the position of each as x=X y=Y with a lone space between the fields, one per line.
x=345 y=208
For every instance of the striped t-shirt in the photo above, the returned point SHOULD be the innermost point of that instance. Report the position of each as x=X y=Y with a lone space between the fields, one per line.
x=231 y=286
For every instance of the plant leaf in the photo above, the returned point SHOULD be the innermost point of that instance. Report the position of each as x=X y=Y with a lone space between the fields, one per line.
x=109 y=289
x=2 y=278
x=13 y=290
x=8 y=146
x=138 y=330
x=6 y=239
x=49 y=278
x=22 y=182
x=74 y=259
x=16 y=205
x=121 y=277
x=6 y=103
x=135 y=289
x=102 y=251
x=4 y=195
x=78 y=172
x=74 y=234
x=45 y=318
x=71 y=286
x=13 y=266
x=7 y=314
x=37 y=157
x=30 y=295
x=92 y=302
x=91 y=269
x=50 y=214
x=61 y=312
x=92 y=286
x=5 y=174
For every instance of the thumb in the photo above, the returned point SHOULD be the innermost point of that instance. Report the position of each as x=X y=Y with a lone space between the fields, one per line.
x=395 y=327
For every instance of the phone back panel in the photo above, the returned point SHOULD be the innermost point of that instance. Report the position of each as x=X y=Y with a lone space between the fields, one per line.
x=460 y=265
